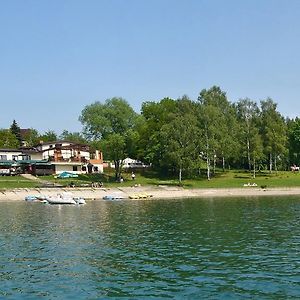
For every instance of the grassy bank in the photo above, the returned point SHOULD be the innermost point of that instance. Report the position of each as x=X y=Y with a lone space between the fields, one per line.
x=10 y=182
x=232 y=179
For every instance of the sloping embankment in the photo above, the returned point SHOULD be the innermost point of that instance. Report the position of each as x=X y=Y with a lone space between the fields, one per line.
x=161 y=192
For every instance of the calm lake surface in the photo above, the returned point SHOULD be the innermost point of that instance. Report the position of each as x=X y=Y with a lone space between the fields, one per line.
x=233 y=248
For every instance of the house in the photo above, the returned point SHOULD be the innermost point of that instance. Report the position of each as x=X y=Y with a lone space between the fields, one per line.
x=55 y=158
x=129 y=163
x=10 y=154
x=133 y=163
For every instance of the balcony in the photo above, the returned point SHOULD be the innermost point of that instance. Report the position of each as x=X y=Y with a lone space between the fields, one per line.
x=69 y=159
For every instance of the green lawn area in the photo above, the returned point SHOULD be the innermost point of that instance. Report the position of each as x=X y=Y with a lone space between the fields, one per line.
x=232 y=179
x=237 y=179
x=10 y=182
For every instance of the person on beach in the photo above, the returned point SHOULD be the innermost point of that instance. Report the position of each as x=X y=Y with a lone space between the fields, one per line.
x=132 y=176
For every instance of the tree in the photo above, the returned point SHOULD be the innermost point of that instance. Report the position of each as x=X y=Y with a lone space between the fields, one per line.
x=274 y=132
x=248 y=117
x=155 y=115
x=75 y=137
x=101 y=120
x=180 y=143
x=213 y=114
x=15 y=129
x=114 y=148
x=111 y=123
x=31 y=137
x=8 y=139
x=294 y=141
x=207 y=123
x=256 y=148
x=49 y=136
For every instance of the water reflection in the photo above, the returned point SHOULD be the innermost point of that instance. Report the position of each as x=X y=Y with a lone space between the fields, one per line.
x=217 y=248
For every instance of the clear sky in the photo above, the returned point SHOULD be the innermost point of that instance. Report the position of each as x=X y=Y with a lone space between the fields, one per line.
x=56 y=56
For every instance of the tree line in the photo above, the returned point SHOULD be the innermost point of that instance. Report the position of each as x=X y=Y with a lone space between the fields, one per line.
x=16 y=138
x=184 y=136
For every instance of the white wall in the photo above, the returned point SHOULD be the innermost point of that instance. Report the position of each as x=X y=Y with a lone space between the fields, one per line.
x=36 y=156
x=62 y=168
x=59 y=168
x=131 y=163
x=9 y=155
x=100 y=167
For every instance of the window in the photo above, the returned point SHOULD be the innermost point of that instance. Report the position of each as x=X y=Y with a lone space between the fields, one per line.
x=15 y=157
x=75 y=168
x=83 y=169
x=3 y=157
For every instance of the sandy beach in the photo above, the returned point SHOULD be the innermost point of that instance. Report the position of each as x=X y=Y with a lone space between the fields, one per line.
x=157 y=192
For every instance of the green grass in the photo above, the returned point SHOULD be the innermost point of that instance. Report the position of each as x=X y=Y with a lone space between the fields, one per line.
x=232 y=179
x=235 y=179
x=10 y=182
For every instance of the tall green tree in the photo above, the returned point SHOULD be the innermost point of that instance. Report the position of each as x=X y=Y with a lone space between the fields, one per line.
x=8 y=139
x=181 y=147
x=114 y=116
x=156 y=115
x=274 y=132
x=31 y=137
x=214 y=113
x=111 y=123
x=256 y=149
x=208 y=123
x=294 y=141
x=16 y=130
x=114 y=148
x=248 y=117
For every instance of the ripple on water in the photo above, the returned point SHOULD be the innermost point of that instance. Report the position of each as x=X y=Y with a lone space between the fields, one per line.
x=225 y=249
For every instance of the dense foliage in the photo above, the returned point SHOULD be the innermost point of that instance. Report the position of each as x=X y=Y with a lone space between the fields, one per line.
x=184 y=136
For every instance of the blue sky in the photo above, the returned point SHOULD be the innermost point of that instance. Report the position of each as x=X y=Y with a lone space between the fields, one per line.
x=58 y=56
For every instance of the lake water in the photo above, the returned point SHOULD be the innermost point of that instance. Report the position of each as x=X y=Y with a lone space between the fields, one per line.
x=233 y=248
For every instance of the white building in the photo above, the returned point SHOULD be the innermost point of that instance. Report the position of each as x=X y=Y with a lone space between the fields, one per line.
x=131 y=163
x=60 y=156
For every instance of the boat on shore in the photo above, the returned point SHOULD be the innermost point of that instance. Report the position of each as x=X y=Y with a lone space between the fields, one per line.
x=140 y=196
x=113 y=197
x=35 y=198
x=62 y=198
x=65 y=200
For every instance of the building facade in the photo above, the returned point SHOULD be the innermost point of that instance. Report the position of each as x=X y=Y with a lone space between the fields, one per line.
x=54 y=158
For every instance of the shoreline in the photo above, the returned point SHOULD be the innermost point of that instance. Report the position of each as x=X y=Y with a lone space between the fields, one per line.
x=157 y=192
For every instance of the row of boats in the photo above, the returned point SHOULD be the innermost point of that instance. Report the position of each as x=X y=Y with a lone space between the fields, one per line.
x=120 y=197
x=68 y=198
x=62 y=198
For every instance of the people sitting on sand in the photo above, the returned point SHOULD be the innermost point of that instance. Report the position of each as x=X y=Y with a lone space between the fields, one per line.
x=97 y=184
x=250 y=184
